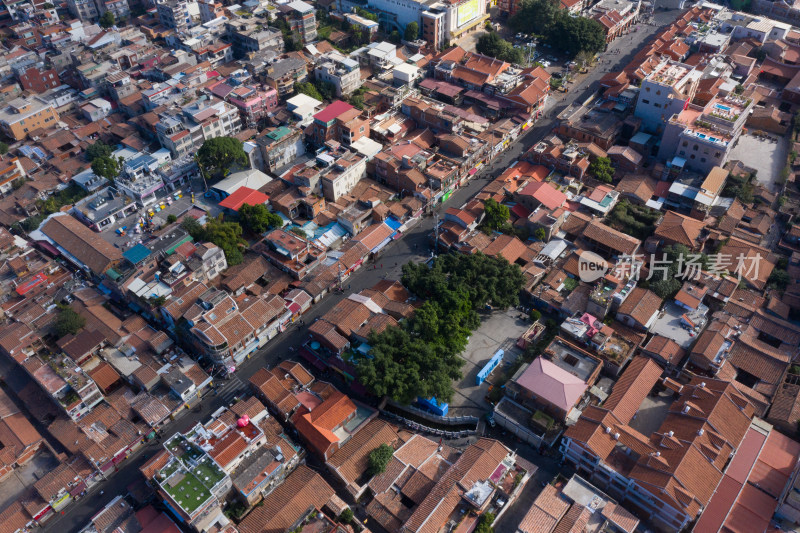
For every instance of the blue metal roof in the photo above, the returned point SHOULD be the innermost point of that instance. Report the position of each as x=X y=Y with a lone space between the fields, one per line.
x=137 y=254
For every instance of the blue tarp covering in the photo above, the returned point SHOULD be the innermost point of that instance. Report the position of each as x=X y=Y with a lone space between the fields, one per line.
x=434 y=406
x=137 y=254
x=393 y=223
x=488 y=367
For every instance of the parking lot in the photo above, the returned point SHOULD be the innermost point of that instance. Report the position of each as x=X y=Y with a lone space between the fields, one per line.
x=498 y=330
x=765 y=154
x=178 y=207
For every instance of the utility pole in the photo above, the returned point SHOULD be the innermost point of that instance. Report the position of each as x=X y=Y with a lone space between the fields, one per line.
x=436 y=233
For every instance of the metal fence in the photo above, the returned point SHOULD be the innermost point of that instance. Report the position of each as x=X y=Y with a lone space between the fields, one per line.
x=433 y=431
x=444 y=420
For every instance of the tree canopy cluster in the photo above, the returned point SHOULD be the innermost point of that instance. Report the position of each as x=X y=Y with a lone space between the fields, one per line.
x=218 y=155
x=567 y=33
x=379 y=458
x=68 y=321
x=602 y=170
x=98 y=149
x=420 y=357
x=491 y=44
x=226 y=235
x=107 y=167
x=496 y=215
x=666 y=286
x=634 y=220
x=412 y=31
x=258 y=218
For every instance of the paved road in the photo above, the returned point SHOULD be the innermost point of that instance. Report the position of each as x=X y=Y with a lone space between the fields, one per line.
x=403 y=250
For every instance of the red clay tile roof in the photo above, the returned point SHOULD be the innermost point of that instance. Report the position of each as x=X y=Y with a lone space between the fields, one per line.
x=632 y=388
x=303 y=489
x=104 y=376
x=640 y=305
x=545 y=194
x=676 y=228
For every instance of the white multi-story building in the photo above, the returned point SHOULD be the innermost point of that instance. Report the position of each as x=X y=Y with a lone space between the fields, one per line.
x=178 y=14
x=345 y=173
x=83 y=9
x=343 y=72
x=703 y=137
x=185 y=131
x=664 y=92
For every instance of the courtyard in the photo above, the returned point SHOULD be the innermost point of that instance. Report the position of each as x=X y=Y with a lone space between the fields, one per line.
x=766 y=155
x=499 y=330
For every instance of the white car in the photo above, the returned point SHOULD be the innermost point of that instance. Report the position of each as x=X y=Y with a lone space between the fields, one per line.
x=545 y=63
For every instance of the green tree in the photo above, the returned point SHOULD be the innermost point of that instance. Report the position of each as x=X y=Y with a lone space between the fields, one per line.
x=496 y=215
x=535 y=315
x=193 y=228
x=563 y=31
x=485 y=523
x=379 y=458
x=107 y=19
x=308 y=89
x=578 y=34
x=107 y=167
x=361 y=12
x=357 y=101
x=3 y=148
x=666 y=288
x=98 y=149
x=491 y=44
x=171 y=219
x=68 y=321
x=346 y=517
x=258 y=219
x=326 y=89
x=412 y=31
x=602 y=170
x=540 y=234
x=48 y=5
x=779 y=279
x=535 y=16
x=395 y=37
x=419 y=358
x=226 y=235
x=217 y=155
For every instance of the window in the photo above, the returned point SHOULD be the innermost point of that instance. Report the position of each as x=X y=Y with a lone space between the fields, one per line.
x=702 y=159
x=657 y=105
x=658 y=92
x=645 y=101
x=682 y=152
x=647 y=89
x=692 y=156
x=695 y=147
x=717 y=155
x=685 y=143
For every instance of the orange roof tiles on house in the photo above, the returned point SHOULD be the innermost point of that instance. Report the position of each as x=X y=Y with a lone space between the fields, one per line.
x=104 y=376
x=228 y=448
x=545 y=194
x=632 y=388
x=302 y=490
x=679 y=229
x=640 y=305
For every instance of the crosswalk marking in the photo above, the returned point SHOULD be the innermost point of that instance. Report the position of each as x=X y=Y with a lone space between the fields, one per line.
x=232 y=388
